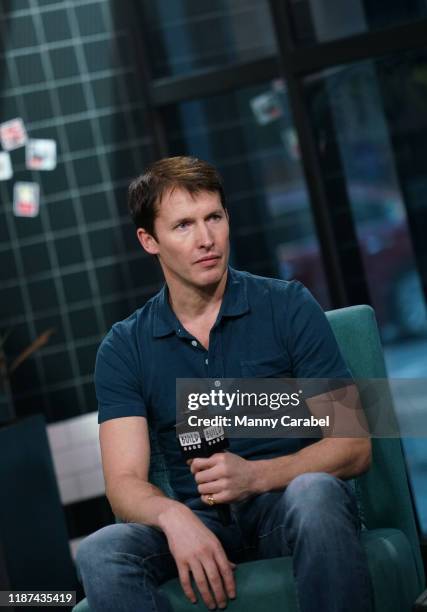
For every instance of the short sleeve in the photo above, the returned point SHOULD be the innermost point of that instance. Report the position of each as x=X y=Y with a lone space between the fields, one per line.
x=117 y=381
x=311 y=342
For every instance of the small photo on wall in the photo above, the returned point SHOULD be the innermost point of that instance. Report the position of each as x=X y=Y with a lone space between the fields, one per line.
x=6 y=171
x=40 y=154
x=13 y=134
x=26 y=199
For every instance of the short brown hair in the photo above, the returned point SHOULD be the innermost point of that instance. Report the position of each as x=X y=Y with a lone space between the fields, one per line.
x=189 y=173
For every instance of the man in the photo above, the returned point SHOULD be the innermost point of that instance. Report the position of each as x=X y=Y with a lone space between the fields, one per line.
x=212 y=321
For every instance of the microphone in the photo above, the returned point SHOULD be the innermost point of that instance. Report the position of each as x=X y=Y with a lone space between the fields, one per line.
x=203 y=442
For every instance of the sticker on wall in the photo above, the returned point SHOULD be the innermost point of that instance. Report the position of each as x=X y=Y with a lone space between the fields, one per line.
x=290 y=140
x=6 y=171
x=26 y=199
x=266 y=107
x=40 y=154
x=13 y=134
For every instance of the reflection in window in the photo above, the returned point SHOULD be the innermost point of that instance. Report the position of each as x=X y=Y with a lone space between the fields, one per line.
x=372 y=115
x=316 y=21
x=186 y=36
x=249 y=135
x=348 y=113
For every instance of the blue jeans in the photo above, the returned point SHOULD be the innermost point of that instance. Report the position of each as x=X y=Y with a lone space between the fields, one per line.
x=315 y=519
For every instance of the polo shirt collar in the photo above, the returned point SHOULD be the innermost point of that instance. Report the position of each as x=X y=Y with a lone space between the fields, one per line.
x=164 y=318
x=235 y=303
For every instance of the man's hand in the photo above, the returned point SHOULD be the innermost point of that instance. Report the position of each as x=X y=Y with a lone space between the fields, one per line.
x=225 y=476
x=198 y=551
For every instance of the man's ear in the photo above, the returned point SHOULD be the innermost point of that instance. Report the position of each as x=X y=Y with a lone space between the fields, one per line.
x=147 y=241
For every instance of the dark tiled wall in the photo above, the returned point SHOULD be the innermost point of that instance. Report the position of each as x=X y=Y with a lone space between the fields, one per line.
x=68 y=69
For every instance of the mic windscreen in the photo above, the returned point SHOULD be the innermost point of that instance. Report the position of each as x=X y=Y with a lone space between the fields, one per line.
x=200 y=441
x=203 y=441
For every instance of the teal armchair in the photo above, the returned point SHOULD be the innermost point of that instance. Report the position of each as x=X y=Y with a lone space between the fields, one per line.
x=390 y=540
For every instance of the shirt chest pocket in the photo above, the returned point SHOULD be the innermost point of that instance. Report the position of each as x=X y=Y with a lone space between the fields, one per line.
x=268 y=367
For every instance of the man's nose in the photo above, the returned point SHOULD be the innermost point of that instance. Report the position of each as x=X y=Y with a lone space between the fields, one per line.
x=204 y=236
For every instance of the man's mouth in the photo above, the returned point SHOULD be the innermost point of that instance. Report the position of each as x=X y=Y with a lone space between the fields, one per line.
x=209 y=259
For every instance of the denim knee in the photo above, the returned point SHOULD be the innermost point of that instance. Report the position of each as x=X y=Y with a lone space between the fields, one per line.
x=120 y=567
x=321 y=526
x=94 y=549
x=315 y=488
x=101 y=552
x=318 y=495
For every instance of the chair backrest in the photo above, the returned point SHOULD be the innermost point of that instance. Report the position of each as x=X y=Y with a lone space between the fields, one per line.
x=383 y=491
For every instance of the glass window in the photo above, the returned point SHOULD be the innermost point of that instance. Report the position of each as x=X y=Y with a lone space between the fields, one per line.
x=188 y=35
x=249 y=135
x=324 y=20
x=371 y=113
x=370 y=123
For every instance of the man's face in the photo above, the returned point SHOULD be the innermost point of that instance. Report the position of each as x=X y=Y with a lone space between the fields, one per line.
x=192 y=238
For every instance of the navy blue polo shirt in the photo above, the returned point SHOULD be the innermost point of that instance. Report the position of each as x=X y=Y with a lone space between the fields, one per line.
x=265 y=328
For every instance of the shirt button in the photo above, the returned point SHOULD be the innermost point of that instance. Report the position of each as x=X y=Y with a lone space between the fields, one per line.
x=206 y=361
x=194 y=343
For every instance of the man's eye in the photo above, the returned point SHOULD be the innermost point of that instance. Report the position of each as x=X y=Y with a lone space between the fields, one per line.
x=182 y=225
x=216 y=216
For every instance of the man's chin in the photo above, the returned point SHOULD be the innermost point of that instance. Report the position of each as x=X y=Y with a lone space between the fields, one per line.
x=209 y=276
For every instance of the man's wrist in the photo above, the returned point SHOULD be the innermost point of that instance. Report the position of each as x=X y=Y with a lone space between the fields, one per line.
x=171 y=511
x=258 y=481
x=272 y=474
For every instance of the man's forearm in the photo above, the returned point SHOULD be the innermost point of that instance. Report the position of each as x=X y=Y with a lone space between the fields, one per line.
x=137 y=501
x=341 y=457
